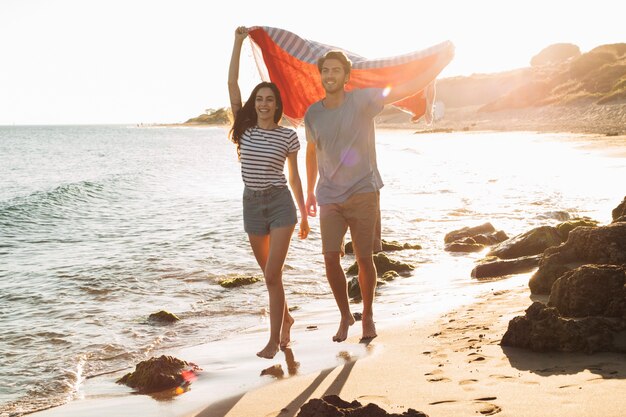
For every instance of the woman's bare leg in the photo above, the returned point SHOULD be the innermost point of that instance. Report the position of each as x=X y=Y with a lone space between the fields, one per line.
x=271 y=251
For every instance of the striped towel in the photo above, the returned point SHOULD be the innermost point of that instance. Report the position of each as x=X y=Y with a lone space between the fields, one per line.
x=291 y=63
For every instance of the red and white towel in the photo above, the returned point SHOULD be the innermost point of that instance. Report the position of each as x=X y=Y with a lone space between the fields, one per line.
x=291 y=63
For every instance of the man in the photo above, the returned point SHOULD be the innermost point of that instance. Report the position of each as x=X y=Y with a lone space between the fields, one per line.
x=340 y=137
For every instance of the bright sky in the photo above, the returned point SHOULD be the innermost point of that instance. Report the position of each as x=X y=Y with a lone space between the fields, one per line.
x=156 y=61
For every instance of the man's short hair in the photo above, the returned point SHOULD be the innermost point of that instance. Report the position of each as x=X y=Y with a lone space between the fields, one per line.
x=339 y=56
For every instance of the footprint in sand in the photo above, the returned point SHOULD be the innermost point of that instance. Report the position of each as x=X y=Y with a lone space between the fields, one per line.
x=571 y=386
x=468 y=384
x=436 y=378
x=377 y=399
x=468 y=381
x=487 y=409
x=501 y=376
x=439 y=379
x=442 y=402
x=435 y=372
x=476 y=357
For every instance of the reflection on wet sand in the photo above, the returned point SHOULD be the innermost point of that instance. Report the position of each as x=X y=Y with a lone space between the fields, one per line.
x=277 y=371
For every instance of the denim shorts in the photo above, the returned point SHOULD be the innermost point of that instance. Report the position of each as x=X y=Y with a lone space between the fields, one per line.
x=264 y=210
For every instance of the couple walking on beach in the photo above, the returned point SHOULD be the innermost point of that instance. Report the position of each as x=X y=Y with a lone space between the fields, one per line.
x=340 y=137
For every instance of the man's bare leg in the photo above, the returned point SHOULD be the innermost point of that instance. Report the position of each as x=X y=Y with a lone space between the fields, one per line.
x=367 y=282
x=338 y=284
x=285 y=331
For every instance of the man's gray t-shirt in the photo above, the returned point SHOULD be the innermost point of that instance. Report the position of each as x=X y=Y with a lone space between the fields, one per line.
x=345 y=145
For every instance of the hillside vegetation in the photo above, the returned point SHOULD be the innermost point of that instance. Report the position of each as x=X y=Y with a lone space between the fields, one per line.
x=598 y=76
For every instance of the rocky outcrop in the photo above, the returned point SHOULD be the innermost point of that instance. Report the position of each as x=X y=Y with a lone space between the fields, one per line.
x=333 y=406
x=533 y=242
x=238 y=281
x=163 y=317
x=585 y=245
x=566 y=227
x=542 y=329
x=591 y=290
x=494 y=267
x=522 y=253
x=389 y=276
x=586 y=280
x=383 y=264
x=555 y=54
x=619 y=212
x=354 y=287
x=158 y=374
x=387 y=246
x=473 y=239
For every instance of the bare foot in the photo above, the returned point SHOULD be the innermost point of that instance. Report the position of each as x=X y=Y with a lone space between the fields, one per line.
x=342 y=332
x=285 y=332
x=369 y=328
x=269 y=351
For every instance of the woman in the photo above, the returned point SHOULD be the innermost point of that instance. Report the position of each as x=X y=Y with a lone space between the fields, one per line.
x=269 y=212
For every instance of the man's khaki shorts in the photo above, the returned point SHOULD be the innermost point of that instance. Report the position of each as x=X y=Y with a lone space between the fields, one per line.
x=360 y=213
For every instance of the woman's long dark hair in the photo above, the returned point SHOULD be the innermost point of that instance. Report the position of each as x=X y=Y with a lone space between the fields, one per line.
x=247 y=118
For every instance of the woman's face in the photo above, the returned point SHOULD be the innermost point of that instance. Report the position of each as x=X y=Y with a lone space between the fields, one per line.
x=265 y=104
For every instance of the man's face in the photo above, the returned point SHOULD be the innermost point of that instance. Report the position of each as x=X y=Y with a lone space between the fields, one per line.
x=333 y=76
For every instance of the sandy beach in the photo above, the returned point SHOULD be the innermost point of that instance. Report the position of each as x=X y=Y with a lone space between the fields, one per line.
x=450 y=364
x=582 y=118
x=454 y=366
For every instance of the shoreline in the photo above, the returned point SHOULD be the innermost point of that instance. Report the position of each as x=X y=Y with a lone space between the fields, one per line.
x=453 y=366
x=445 y=365
x=232 y=380
x=583 y=118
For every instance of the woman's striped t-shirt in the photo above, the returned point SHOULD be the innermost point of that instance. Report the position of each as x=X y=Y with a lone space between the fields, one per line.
x=263 y=154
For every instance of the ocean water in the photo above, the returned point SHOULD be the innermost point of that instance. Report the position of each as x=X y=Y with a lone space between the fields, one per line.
x=101 y=226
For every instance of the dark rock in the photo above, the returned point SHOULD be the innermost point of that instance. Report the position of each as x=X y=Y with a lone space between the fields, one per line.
x=619 y=212
x=348 y=247
x=533 y=242
x=566 y=227
x=354 y=288
x=158 y=374
x=163 y=317
x=585 y=245
x=543 y=330
x=473 y=239
x=389 y=276
x=387 y=246
x=591 y=290
x=455 y=235
x=494 y=267
x=238 y=281
x=557 y=215
x=333 y=406
x=393 y=245
x=383 y=264
x=464 y=247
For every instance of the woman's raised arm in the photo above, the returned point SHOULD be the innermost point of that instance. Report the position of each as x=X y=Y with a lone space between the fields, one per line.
x=233 y=72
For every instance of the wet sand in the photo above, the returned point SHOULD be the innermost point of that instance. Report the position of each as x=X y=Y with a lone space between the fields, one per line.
x=454 y=366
